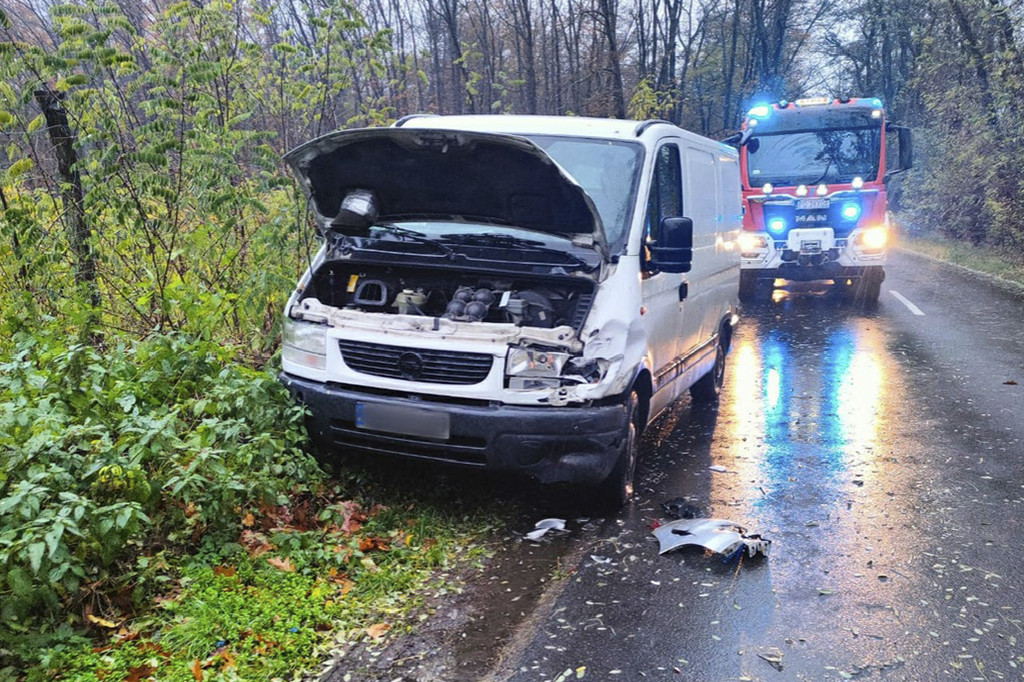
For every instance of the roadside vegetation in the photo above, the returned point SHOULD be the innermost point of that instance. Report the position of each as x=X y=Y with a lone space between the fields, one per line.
x=1001 y=262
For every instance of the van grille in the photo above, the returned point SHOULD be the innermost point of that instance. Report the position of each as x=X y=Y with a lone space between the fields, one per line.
x=416 y=364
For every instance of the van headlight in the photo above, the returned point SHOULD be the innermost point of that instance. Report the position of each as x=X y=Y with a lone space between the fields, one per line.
x=525 y=362
x=305 y=343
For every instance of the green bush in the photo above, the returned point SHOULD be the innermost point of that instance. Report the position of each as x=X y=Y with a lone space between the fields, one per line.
x=112 y=454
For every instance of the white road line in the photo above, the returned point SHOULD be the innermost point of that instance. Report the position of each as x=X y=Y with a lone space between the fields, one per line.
x=903 y=299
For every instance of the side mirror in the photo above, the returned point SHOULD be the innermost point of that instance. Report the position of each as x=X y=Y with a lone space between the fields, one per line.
x=905 y=160
x=673 y=251
x=906 y=148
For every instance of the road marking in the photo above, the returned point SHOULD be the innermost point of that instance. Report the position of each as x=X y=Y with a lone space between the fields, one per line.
x=903 y=299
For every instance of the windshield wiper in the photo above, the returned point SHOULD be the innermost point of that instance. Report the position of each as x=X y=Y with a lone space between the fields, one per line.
x=509 y=242
x=828 y=166
x=399 y=234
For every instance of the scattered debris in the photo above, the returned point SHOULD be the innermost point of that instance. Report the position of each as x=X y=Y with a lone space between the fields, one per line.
x=543 y=526
x=774 y=657
x=717 y=535
x=679 y=508
x=1010 y=382
x=719 y=468
x=598 y=559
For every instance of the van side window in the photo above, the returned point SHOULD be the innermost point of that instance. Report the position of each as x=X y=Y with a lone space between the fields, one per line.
x=666 y=198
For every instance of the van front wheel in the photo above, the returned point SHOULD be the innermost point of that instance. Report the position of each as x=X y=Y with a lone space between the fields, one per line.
x=617 y=489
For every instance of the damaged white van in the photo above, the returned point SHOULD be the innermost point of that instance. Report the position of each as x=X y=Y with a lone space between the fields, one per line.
x=520 y=293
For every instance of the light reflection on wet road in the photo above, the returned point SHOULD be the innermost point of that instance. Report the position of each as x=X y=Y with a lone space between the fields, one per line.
x=850 y=443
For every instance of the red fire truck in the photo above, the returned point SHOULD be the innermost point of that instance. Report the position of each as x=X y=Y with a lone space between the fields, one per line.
x=814 y=177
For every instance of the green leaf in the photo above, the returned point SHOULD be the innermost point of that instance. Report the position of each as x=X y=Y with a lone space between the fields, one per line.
x=35 y=124
x=19 y=581
x=35 y=555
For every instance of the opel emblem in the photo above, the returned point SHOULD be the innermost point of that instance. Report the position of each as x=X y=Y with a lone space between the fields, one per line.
x=410 y=365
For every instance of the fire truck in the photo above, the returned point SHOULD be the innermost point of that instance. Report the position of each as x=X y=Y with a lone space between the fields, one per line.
x=814 y=175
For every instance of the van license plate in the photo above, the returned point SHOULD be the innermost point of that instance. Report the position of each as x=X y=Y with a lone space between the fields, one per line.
x=403 y=420
x=811 y=204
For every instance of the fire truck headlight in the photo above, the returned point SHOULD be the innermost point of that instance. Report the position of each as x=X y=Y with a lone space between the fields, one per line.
x=751 y=243
x=858 y=182
x=777 y=225
x=767 y=188
x=850 y=210
x=874 y=238
x=822 y=190
x=801 y=191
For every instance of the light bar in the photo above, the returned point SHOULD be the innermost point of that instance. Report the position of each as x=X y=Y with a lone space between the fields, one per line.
x=813 y=101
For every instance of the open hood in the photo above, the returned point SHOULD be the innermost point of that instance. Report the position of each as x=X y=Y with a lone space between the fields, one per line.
x=444 y=174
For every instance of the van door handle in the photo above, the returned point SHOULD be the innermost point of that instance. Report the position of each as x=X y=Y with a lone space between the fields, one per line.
x=684 y=291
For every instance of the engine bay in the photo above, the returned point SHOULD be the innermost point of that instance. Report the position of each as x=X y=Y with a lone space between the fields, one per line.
x=541 y=302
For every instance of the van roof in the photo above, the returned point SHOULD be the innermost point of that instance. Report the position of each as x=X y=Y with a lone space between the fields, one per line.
x=582 y=126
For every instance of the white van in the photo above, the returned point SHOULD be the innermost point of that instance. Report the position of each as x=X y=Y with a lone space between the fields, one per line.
x=509 y=292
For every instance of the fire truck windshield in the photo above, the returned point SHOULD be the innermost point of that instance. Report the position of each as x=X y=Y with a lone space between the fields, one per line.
x=812 y=156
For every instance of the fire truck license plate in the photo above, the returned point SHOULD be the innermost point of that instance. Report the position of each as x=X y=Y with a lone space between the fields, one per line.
x=810 y=204
x=810 y=246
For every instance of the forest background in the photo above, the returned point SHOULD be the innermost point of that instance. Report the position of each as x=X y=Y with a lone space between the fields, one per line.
x=150 y=234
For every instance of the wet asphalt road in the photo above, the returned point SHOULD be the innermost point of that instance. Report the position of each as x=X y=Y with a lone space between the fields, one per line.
x=879 y=449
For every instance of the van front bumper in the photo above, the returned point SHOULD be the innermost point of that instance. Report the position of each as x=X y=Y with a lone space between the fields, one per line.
x=551 y=444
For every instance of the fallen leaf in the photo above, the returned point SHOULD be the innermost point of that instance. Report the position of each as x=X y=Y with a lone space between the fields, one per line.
x=1010 y=382
x=226 y=571
x=255 y=543
x=377 y=630
x=346 y=585
x=353 y=515
x=248 y=520
x=284 y=564
x=370 y=544
x=197 y=670
x=102 y=622
x=139 y=673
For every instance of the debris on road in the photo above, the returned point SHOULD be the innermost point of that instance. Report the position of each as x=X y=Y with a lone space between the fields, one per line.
x=774 y=657
x=543 y=526
x=679 y=508
x=719 y=468
x=718 y=535
x=598 y=559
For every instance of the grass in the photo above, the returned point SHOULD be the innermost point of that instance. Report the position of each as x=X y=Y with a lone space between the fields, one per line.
x=273 y=604
x=986 y=259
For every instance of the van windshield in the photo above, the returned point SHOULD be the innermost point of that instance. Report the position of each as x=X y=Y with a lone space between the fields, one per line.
x=608 y=171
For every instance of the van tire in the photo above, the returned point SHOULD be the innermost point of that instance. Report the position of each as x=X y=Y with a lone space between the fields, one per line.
x=709 y=387
x=616 y=490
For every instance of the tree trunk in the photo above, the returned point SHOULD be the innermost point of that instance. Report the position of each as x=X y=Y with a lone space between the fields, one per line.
x=71 y=195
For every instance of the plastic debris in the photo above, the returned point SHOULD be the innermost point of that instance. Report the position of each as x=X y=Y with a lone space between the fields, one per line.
x=774 y=657
x=598 y=559
x=717 y=535
x=719 y=468
x=679 y=508
x=543 y=526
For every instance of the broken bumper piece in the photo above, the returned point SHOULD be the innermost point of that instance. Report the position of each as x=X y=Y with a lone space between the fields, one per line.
x=716 y=535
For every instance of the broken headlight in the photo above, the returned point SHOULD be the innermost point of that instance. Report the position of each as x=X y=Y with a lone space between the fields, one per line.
x=524 y=362
x=305 y=344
